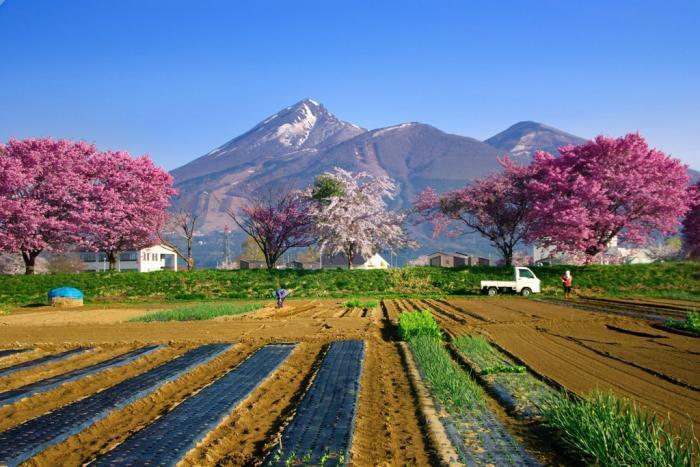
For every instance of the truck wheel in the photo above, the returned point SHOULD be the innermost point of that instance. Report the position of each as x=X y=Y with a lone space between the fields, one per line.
x=525 y=292
x=492 y=291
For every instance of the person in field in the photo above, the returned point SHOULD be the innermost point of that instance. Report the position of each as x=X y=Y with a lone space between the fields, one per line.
x=280 y=295
x=567 y=279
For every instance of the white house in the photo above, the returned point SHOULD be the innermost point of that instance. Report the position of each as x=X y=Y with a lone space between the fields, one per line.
x=154 y=258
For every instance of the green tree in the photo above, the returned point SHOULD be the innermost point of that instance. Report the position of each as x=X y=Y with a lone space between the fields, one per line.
x=251 y=250
x=325 y=187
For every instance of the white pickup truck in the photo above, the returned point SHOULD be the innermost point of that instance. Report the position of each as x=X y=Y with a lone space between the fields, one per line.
x=525 y=283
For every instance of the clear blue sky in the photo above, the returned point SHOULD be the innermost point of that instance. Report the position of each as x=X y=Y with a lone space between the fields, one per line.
x=176 y=78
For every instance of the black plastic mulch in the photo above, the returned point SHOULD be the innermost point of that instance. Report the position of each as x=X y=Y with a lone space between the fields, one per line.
x=41 y=360
x=170 y=437
x=321 y=431
x=8 y=397
x=30 y=438
x=6 y=352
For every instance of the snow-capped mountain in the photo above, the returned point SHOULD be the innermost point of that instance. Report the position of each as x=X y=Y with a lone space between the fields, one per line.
x=293 y=146
x=301 y=129
x=523 y=139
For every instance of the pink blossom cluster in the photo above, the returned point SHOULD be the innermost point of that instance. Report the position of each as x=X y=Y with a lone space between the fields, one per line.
x=59 y=194
x=577 y=203
x=691 y=224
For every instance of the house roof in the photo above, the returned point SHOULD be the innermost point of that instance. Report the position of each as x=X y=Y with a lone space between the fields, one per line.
x=448 y=254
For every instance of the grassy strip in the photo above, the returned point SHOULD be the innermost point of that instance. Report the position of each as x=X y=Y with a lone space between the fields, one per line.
x=200 y=311
x=454 y=387
x=612 y=432
x=489 y=360
x=670 y=279
x=419 y=323
x=503 y=368
x=691 y=323
x=356 y=303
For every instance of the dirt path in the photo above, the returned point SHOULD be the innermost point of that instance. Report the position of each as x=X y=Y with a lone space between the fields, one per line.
x=387 y=430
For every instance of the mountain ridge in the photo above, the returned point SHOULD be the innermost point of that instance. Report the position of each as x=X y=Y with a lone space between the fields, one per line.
x=290 y=148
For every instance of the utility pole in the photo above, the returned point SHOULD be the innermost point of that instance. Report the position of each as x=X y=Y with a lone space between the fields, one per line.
x=227 y=248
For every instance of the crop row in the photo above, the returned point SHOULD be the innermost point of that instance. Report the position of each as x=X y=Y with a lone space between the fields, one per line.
x=602 y=428
x=322 y=428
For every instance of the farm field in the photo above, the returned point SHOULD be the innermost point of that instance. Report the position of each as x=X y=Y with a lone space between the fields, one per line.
x=89 y=385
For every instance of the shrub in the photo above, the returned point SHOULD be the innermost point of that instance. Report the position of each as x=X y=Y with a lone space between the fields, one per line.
x=691 y=323
x=356 y=303
x=418 y=323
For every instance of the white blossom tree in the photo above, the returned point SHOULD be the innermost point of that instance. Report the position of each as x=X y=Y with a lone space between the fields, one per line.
x=355 y=220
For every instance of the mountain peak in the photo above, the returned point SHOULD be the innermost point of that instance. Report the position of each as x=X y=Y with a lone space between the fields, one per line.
x=305 y=126
x=524 y=138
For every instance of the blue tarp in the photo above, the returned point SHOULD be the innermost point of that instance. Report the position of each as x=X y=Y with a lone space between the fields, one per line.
x=65 y=292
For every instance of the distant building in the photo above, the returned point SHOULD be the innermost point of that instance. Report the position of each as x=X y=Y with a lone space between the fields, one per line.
x=375 y=261
x=296 y=264
x=251 y=264
x=615 y=254
x=153 y=258
x=456 y=260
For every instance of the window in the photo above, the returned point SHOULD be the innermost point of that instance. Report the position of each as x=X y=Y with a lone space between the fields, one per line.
x=128 y=256
x=526 y=274
x=88 y=256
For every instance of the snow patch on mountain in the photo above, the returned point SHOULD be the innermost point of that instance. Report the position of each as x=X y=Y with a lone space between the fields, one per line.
x=392 y=128
x=297 y=131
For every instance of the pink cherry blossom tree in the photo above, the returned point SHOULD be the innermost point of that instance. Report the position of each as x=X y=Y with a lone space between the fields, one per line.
x=691 y=224
x=605 y=188
x=495 y=206
x=128 y=202
x=353 y=218
x=43 y=203
x=276 y=223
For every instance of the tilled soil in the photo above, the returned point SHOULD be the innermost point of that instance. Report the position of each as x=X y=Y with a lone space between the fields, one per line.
x=575 y=349
x=656 y=369
x=39 y=404
x=49 y=369
x=387 y=428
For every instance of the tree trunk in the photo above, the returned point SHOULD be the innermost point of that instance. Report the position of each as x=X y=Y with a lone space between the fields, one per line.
x=112 y=258
x=29 y=258
x=190 y=259
x=507 y=253
x=350 y=253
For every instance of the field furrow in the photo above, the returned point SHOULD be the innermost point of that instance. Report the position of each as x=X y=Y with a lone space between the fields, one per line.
x=6 y=352
x=27 y=439
x=8 y=397
x=42 y=360
x=582 y=370
x=170 y=437
x=387 y=431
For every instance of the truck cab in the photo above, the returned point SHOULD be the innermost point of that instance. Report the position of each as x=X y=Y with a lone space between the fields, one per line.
x=524 y=282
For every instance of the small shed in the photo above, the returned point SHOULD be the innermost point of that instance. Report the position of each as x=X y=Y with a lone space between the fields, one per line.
x=448 y=260
x=252 y=264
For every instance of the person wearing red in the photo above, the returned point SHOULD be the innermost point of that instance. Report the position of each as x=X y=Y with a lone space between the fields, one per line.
x=567 y=279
